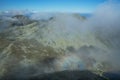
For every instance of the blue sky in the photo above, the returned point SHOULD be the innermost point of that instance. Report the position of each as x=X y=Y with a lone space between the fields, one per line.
x=83 y=6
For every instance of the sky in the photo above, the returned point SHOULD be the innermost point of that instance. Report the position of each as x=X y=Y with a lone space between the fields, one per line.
x=83 y=6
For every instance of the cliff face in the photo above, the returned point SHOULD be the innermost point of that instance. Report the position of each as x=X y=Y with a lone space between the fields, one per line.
x=51 y=45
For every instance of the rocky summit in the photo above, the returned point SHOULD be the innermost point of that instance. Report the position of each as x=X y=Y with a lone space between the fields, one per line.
x=47 y=47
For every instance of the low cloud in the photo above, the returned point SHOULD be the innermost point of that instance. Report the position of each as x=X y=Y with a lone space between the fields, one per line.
x=105 y=25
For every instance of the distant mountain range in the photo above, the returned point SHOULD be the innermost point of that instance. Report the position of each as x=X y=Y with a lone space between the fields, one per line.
x=32 y=13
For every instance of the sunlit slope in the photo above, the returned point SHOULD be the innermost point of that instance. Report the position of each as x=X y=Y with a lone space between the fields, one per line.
x=60 y=31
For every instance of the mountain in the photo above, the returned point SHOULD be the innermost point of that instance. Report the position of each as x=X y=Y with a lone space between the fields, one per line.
x=58 y=31
x=30 y=47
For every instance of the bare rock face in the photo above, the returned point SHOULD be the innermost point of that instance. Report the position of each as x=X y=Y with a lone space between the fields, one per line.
x=21 y=20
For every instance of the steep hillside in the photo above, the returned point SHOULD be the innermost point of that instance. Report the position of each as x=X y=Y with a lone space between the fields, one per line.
x=59 y=31
x=33 y=47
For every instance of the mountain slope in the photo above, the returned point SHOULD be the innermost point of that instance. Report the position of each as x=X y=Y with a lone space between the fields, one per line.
x=56 y=44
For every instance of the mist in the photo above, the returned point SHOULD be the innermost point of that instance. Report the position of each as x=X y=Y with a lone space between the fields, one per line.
x=105 y=26
x=100 y=33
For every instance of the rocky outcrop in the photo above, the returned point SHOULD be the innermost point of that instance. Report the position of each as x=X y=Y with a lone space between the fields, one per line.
x=21 y=20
